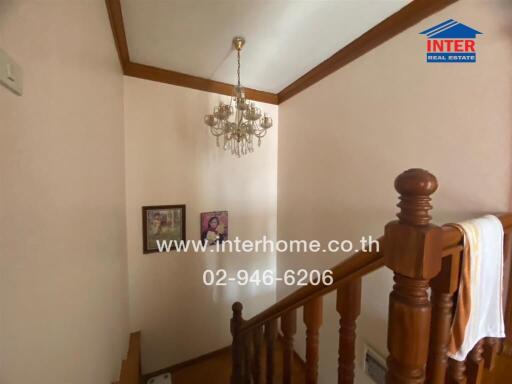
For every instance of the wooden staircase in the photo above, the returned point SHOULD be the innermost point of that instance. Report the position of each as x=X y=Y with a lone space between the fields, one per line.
x=217 y=368
x=424 y=258
x=426 y=261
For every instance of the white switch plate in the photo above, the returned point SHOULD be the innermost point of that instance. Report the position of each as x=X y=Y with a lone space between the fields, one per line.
x=11 y=74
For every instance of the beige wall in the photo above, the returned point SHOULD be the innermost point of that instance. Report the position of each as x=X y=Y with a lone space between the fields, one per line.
x=63 y=288
x=63 y=301
x=343 y=141
x=171 y=158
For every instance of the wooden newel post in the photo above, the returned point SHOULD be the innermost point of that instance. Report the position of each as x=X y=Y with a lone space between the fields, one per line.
x=238 y=345
x=413 y=250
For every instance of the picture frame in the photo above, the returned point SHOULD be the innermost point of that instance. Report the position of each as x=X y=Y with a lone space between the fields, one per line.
x=162 y=223
x=214 y=227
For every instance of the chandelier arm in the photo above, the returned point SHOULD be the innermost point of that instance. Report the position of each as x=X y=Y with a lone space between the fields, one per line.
x=216 y=133
x=260 y=134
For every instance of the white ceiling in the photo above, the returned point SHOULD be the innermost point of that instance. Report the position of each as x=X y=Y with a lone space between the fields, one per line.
x=284 y=38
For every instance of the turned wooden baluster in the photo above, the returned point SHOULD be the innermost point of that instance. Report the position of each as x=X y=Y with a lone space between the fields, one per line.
x=456 y=372
x=348 y=305
x=270 y=338
x=313 y=315
x=507 y=284
x=248 y=358
x=237 y=345
x=289 y=328
x=443 y=287
x=491 y=349
x=494 y=346
x=257 y=336
x=475 y=364
x=413 y=250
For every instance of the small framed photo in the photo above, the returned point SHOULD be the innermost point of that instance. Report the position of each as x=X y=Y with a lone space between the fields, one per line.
x=162 y=223
x=214 y=227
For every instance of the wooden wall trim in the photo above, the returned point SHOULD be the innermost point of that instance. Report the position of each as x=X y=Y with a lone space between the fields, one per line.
x=183 y=80
x=187 y=363
x=115 y=16
x=131 y=366
x=405 y=18
x=148 y=72
x=196 y=360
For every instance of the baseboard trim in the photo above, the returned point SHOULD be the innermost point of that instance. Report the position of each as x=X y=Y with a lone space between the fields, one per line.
x=176 y=367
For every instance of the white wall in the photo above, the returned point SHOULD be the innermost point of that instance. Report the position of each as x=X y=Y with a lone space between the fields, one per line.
x=171 y=158
x=344 y=140
x=63 y=288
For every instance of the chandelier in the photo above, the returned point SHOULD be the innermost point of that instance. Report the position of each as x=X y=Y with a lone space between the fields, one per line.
x=248 y=123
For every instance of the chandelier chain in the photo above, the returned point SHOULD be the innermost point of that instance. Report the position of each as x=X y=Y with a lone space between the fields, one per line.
x=238 y=68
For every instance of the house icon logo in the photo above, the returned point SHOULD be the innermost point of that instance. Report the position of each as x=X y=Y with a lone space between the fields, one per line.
x=451 y=42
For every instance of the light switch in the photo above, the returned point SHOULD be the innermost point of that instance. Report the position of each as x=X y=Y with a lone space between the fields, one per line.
x=11 y=74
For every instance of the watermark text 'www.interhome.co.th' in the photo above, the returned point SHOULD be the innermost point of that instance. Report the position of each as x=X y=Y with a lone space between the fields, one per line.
x=264 y=245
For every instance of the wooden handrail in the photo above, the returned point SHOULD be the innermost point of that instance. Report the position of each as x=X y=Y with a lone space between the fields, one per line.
x=444 y=290
x=452 y=237
x=356 y=266
x=426 y=263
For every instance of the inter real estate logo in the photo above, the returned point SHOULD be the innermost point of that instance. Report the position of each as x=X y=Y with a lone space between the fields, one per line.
x=451 y=42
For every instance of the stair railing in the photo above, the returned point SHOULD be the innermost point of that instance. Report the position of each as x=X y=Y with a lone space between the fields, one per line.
x=440 y=368
x=422 y=256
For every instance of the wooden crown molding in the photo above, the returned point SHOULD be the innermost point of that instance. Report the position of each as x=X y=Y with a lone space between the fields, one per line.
x=115 y=16
x=166 y=76
x=395 y=24
x=183 y=80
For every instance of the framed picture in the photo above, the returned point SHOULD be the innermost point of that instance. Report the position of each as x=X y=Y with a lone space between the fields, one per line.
x=214 y=227
x=162 y=223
